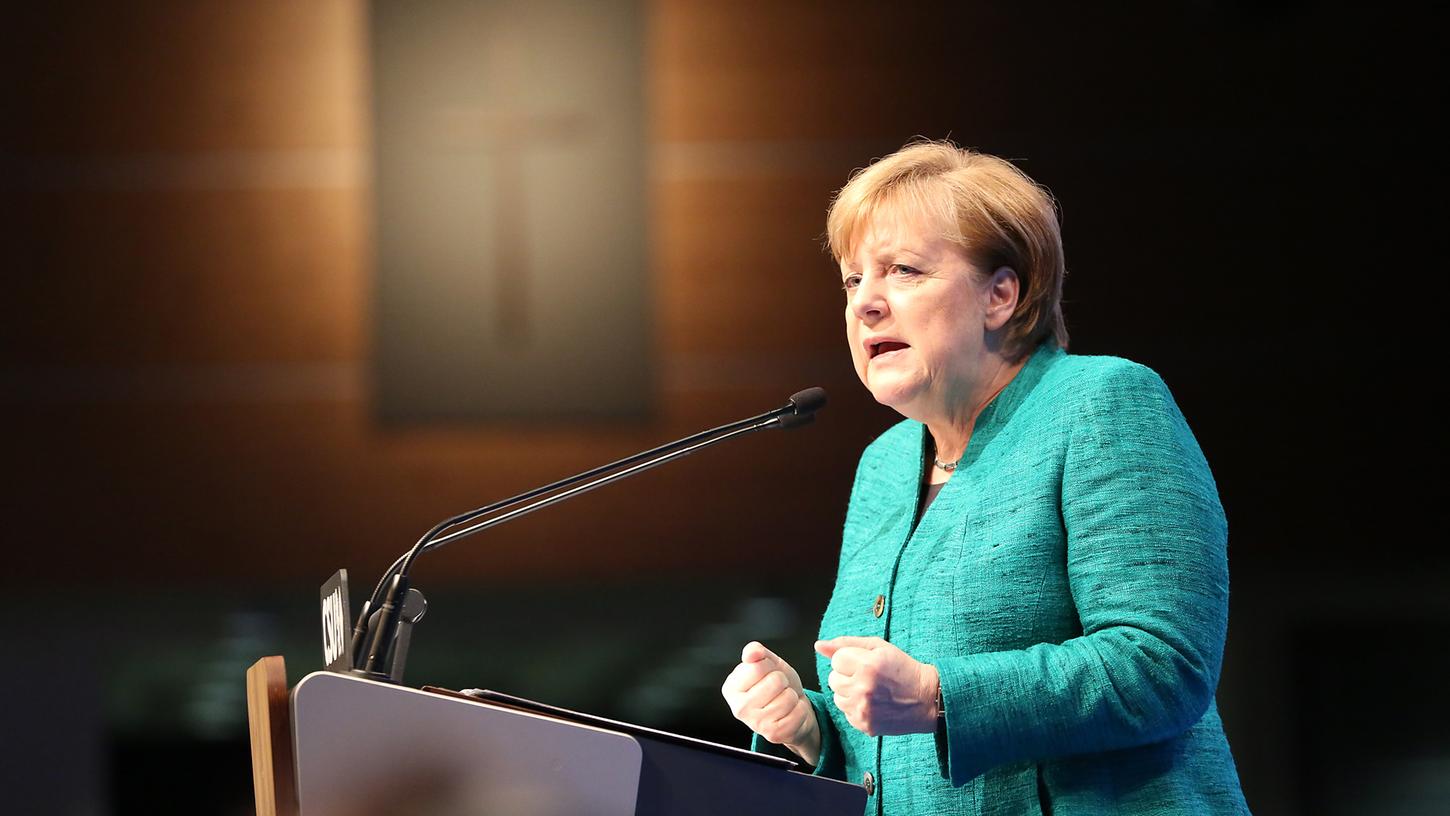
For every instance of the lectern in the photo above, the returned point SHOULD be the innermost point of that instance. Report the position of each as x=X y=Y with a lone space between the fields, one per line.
x=338 y=744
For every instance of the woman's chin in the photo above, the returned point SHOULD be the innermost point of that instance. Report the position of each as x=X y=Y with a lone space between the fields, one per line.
x=894 y=396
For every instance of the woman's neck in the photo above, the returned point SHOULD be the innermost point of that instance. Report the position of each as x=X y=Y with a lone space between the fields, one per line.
x=952 y=431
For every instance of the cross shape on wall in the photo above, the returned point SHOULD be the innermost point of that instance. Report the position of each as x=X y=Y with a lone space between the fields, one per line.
x=506 y=129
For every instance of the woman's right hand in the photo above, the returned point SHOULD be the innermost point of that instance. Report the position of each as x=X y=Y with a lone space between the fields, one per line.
x=765 y=693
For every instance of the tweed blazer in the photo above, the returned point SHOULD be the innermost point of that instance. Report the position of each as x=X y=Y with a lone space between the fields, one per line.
x=1069 y=583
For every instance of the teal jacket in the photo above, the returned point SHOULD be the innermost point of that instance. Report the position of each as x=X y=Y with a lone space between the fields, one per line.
x=1069 y=583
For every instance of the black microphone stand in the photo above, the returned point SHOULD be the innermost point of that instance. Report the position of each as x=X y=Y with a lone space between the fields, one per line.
x=374 y=660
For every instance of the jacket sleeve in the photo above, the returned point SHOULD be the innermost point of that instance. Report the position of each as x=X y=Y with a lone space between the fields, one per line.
x=1147 y=568
x=831 y=762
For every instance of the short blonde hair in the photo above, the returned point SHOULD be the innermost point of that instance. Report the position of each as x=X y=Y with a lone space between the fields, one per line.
x=992 y=210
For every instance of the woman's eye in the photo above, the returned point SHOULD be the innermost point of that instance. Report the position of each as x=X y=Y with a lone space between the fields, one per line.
x=851 y=282
x=903 y=269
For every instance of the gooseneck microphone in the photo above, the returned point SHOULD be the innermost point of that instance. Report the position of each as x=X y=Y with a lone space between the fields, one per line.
x=372 y=642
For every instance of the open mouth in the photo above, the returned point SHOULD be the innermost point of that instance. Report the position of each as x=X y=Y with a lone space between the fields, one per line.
x=886 y=347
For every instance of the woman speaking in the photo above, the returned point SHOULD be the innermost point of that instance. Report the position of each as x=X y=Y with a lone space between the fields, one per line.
x=1032 y=596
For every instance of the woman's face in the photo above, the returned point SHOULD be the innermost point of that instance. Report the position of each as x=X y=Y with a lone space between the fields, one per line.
x=916 y=318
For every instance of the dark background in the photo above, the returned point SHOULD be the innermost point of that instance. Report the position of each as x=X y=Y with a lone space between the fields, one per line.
x=192 y=449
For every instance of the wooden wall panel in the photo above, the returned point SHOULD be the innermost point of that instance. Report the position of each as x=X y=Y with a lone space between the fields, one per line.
x=812 y=71
x=741 y=269
x=188 y=344
x=174 y=76
x=151 y=276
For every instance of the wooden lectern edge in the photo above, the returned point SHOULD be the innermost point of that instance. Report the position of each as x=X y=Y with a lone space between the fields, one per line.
x=270 y=723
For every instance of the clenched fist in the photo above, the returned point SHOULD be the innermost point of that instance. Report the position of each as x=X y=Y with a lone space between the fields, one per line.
x=765 y=693
x=881 y=689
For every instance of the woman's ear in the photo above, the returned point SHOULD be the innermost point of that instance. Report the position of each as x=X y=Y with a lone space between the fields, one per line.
x=1002 y=291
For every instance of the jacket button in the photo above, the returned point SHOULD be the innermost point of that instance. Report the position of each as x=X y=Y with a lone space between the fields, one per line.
x=869 y=783
x=879 y=608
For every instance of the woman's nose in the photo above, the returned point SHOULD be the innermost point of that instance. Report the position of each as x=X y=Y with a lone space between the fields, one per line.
x=868 y=300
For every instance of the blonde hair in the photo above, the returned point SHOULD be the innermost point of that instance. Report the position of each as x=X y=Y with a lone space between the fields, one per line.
x=992 y=210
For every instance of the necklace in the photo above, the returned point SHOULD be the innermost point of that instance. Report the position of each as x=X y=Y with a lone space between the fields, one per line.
x=947 y=466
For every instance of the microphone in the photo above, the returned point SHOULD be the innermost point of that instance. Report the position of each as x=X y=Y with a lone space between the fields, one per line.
x=807 y=402
x=802 y=408
x=370 y=660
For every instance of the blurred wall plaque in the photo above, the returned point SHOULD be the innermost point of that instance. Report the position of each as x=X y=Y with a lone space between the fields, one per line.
x=510 y=209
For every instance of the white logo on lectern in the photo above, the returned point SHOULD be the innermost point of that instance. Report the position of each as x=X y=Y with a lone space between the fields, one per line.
x=334 y=626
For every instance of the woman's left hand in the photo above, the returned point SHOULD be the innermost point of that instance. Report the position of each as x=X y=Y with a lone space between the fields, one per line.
x=881 y=689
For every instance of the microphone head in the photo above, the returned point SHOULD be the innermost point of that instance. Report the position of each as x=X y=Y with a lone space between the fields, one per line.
x=787 y=421
x=809 y=401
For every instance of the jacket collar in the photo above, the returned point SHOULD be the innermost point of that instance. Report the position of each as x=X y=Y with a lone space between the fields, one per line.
x=1004 y=406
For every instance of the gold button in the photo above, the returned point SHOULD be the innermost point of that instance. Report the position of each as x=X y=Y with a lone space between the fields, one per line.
x=869 y=783
x=880 y=608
